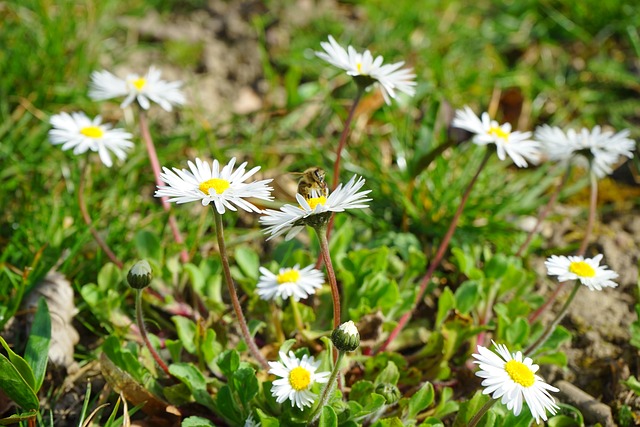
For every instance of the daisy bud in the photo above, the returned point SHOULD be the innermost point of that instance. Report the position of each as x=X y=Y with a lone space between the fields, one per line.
x=389 y=391
x=140 y=275
x=346 y=337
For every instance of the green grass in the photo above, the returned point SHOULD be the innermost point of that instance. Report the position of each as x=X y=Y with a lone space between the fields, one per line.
x=562 y=63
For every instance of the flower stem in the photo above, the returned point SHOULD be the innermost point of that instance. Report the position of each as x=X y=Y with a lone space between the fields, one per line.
x=321 y=231
x=233 y=295
x=544 y=212
x=478 y=416
x=552 y=326
x=439 y=255
x=326 y=391
x=343 y=138
x=593 y=202
x=87 y=218
x=143 y=333
x=155 y=165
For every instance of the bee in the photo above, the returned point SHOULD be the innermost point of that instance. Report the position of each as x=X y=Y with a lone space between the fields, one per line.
x=312 y=181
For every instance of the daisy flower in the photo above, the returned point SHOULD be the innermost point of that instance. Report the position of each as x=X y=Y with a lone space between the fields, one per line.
x=508 y=376
x=587 y=270
x=316 y=210
x=516 y=144
x=150 y=87
x=224 y=188
x=81 y=133
x=297 y=377
x=366 y=70
x=595 y=148
x=289 y=282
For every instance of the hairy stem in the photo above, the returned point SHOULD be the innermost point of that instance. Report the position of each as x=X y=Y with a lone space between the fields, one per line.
x=155 y=165
x=321 y=231
x=343 y=139
x=438 y=257
x=87 y=219
x=478 y=416
x=326 y=391
x=593 y=202
x=233 y=295
x=143 y=333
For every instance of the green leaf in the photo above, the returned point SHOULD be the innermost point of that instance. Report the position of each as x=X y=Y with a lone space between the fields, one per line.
x=467 y=295
x=21 y=365
x=15 y=386
x=245 y=384
x=389 y=422
x=559 y=359
x=633 y=384
x=421 y=400
x=186 y=330
x=446 y=302
x=193 y=378
x=389 y=374
x=16 y=418
x=194 y=421
x=37 y=352
x=228 y=362
x=148 y=245
x=109 y=277
x=432 y=422
x=267 y=421
x=227 y=405
x=518 y=331
x=562 y=421
x=248 y=261
x=328 y=417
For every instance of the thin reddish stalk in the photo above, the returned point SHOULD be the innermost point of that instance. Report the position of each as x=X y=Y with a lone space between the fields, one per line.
x=343 y=139
x=335 y=293
x=439 y=255
x=155 y=165
x=544 y=212
x=87 y=219
x=593 y=202
x=143 y=333
x=233 y=294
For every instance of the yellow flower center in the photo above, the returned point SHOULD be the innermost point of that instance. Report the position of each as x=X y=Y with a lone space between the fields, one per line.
x=92 y=132
x=582 y=269
x=315 y=201
x=359 y=67
x=497 y=131
x=299 y=378
x=219 y=185
x=520 y=373
x=139 y=83
x=289 y=276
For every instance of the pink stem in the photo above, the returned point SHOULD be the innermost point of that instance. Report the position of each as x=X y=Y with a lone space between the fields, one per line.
x=155 y=165
x=438 y=258
x=87 y=219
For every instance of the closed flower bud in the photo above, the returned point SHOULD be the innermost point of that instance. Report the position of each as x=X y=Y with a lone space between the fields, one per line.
x=390 y=392
x=140 y=275
x=346 y=337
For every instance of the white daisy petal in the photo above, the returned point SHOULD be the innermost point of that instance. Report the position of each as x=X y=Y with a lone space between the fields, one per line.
x=77 y=131
x=517 y=145
x=587 y=270
x=389 y=77
x=209 y=185
x=290 y=219
x=509 y=377
x=289 y=282
x=587 y=148
x=143 y=89
x=297 y=377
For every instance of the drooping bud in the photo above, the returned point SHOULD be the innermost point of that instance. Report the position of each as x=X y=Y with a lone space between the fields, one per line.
x=346 y=337
x=389 y=392
x=140 y=275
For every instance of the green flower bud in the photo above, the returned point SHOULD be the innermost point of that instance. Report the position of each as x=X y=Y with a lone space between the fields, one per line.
x=389 y=392
x=346 y=337
x=140 y=275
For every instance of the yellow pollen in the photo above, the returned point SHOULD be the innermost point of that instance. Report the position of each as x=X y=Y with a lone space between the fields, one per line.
x=497 y=131
x=315 y=201
x=520 y=373
x=359 y=67
x=139 y=83
x=92 y=132
x=299 y=378
x=219 y=185
x=582 y=269
x=289 y=276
